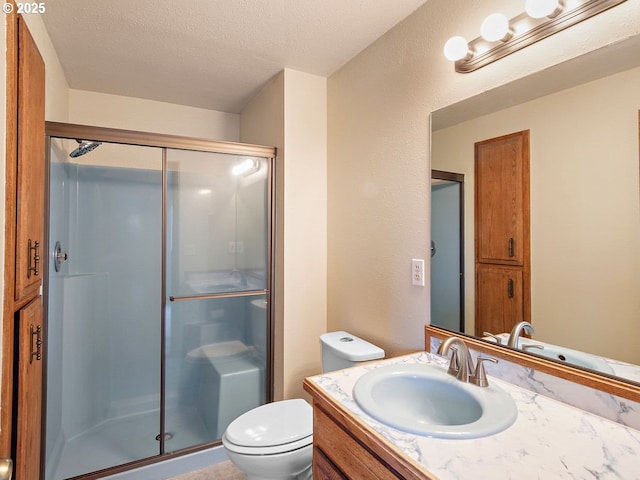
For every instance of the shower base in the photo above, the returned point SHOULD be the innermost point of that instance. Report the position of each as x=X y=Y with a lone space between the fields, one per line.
x=127 y=439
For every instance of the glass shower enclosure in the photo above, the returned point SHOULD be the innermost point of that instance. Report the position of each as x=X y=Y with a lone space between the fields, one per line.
x=158 y=295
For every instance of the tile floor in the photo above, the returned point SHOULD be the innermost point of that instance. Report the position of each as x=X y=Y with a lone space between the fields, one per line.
x=220 y=471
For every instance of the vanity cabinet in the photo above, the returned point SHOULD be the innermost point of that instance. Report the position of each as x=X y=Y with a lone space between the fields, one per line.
x=345 y=449
x=502 y=244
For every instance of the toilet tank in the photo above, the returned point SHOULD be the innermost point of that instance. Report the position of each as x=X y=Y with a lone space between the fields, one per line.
x=343 y=350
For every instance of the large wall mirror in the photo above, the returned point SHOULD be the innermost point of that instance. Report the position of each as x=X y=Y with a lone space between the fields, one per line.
x=583 y=117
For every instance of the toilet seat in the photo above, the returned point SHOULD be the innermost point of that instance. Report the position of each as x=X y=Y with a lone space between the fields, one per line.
x=262 y=451
x=270 y=429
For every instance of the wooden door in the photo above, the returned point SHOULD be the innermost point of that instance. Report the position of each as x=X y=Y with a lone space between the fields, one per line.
x=499 y=302
x=29 y=419
x=502 y=197
x=30 y=166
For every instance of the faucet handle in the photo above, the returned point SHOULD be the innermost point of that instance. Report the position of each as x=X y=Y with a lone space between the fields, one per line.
x=532 y=345
x=454 y=363
x=495 y=337
x=479 y=378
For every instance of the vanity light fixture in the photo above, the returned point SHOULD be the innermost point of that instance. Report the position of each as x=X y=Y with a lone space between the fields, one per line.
x=501 y=36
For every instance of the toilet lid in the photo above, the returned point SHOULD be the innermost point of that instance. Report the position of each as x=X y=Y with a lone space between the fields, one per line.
x=276 y=423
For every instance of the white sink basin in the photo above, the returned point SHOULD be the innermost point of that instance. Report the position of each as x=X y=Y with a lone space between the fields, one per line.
x=567 y=355
x=426 y=400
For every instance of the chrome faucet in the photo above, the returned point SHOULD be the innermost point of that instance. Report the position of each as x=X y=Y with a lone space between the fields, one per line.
x=517 y=329
x=461 y=363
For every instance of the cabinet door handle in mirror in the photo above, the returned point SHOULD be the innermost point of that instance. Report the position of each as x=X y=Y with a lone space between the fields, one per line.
x=34 y=258
x=512 y=247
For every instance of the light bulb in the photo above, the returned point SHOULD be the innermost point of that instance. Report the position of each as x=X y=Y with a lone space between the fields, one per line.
x=543 y=8
x=495 y=27
x=456 y=49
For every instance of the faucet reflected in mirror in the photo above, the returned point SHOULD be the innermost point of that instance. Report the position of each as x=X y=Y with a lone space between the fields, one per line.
x=517 y=330
x=585 y=234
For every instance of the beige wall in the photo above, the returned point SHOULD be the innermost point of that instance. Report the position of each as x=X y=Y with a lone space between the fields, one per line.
x=291 y=114
x=378 y=146
x=262 y=122
x=104 y=110
x=305 y=226
x=585 y=227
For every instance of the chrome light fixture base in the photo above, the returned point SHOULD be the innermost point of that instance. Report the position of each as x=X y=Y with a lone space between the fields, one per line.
x=528 y=31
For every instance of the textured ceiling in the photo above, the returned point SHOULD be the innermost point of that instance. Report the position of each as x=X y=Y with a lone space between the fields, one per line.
x=213 y=54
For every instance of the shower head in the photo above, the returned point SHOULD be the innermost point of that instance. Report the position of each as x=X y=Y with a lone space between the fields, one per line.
x=83 y=147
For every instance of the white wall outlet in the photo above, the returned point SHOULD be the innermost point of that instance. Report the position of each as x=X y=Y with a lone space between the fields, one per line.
x=417 y=272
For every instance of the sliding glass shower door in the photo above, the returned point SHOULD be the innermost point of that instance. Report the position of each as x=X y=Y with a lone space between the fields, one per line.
x=216 y=317
x=158 y=297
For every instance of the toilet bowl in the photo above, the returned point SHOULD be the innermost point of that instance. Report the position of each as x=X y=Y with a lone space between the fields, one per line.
x=275 y=441
x=272 y=441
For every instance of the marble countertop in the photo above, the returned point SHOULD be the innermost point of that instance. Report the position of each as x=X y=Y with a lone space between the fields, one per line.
x=549 y=439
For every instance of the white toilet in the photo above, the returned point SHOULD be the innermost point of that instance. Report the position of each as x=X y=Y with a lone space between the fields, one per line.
x=275 y=441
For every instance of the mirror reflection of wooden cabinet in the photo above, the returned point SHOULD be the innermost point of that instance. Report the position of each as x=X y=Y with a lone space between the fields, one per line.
x=499 y=297
x=502 y=232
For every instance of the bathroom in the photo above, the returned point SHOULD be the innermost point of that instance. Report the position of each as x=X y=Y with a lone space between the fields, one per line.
x=340 y=269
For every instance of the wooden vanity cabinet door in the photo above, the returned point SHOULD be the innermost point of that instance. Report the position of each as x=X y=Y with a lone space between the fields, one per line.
x=342 y=455
x=499 y=298
x=30 y=167
x=502 y=199
x=323 y=469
